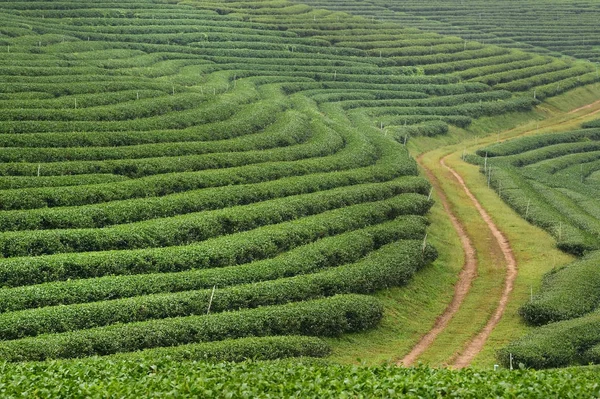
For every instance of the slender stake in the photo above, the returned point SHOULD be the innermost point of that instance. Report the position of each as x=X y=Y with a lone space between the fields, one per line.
x=212 y=295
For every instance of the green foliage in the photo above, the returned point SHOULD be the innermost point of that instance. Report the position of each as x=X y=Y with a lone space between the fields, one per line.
x=162 y=376
x=560 y=344
x=324 y=317
x=237 y=350
x=326 y=252
x=566 y=293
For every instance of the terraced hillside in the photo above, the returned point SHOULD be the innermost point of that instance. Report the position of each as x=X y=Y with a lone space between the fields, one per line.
x=550 y=180
x=549 y=27
x=185 y=173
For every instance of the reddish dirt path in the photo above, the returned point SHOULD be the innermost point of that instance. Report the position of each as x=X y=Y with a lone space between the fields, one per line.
x=465 y=278
x=584 y=107
x=475 y=346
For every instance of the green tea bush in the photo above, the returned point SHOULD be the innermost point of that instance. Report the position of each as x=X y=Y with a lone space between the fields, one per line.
x=566 y=293
x=324 y=317
x=329 y=251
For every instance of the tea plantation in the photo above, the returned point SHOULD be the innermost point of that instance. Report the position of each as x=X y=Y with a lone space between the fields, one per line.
x=549 y=180
x=227 y=180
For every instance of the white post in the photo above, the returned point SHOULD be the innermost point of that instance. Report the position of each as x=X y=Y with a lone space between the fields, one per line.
x=39 y=168
x=137 y=96
x=560 y=231
x=212 y=295
x=511 y=360
x=430 y=193
x=424 y=244
x=531 y=297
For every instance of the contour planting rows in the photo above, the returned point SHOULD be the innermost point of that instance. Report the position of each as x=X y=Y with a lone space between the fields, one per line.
x=181 y=174
x=549 y=27
x=548 y=179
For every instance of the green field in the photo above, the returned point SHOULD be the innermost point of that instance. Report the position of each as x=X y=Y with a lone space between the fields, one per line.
x=229 y=180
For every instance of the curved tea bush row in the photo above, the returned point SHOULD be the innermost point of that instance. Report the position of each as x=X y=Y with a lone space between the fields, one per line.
x=185 y=229
x=227 y=250
x=391 y=266
x=429 y=129
x=291 y=128
x=591 y=124
x=528 y=143
x=329 y=251
x=237 y=350
x=565 y=343
x=323 y=142
x=566 y=293
x=135 y=210
x=323 y=317
x=248 y=119
x=20 y=182
x=358 y=152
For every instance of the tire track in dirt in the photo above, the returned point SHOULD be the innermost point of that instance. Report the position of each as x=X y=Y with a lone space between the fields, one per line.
x=476 y=344
x=469 y=271
x=465 y=278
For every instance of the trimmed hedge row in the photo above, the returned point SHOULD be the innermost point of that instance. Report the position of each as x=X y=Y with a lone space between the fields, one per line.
x=237 y=350
x=227 y=250
x=347 y=247
x=249 y=119
x=322 y=143
x=199 y=226
x=135 y=210
x=291 y=128
x=359 y=151
x=566 y=293
x=324 y=317
x=390 y=266
x=565 y=343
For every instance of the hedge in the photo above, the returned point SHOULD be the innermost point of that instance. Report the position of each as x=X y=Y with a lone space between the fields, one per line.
x=323 y=317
